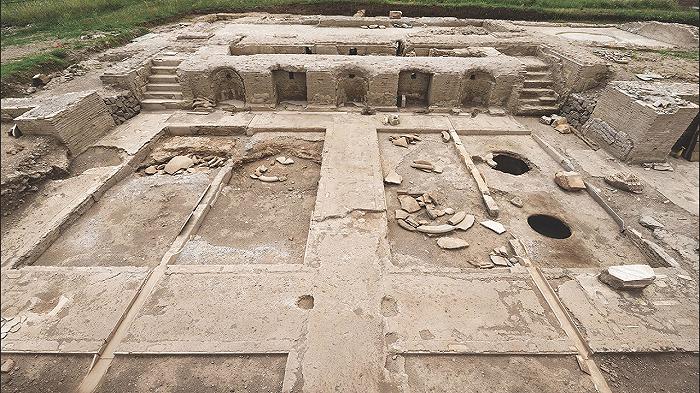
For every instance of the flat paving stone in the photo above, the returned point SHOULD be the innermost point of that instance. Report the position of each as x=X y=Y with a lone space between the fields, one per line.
x=66 y=309
x=662 y=317
x=472 y=313
x=214 y=309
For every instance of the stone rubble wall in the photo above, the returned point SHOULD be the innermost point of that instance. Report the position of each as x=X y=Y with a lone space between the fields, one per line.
x=131 y=74
x=122 y=106
x=578 y=108
x=76 y=119
x=573 y=70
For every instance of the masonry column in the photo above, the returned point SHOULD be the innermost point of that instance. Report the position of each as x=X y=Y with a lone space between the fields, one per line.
x=344 y=350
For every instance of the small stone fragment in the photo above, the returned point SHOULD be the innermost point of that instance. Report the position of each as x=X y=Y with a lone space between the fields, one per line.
x=261 y=169
x=393 y=178
x=408 y=203
x=628 y=276
x=412 y=222
x=546 y=120
x=7 y=366
x=177 y=163
x=466 y=223
x=445 y=136
x=569 y=180
x=393 y=119
x=494 y=226
x=271 y=179
x=563 y=128
x=517 y=202
x=359 y=13
x=451 y=243
x=625 y=182
x=151 y=170
x=449 y=211
x=457 y=218
x=650 y=222
x=395 y=14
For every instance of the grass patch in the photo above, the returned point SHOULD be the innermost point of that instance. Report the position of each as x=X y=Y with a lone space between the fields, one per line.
x=53 y=60
x=680 y=54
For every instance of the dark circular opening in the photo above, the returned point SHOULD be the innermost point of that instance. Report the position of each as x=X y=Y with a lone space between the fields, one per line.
x=510 y=164
x=549 y=226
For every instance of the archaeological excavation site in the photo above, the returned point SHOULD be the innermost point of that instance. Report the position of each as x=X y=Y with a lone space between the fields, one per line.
x=260 y=202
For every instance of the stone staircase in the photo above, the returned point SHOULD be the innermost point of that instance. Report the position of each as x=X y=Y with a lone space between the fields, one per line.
x=163 y=90
x=537 y=96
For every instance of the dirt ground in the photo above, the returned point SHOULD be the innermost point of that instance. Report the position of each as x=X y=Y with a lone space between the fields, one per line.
x=673 y=69
x=496 y=374
x=45 y=373
x=185 y=374
x=256 y=221
x=651 y=373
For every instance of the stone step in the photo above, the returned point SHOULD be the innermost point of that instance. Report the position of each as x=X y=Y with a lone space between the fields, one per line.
x=164 y=70
x=538 y=75
x=162 y=79
x=537 y=68
x=536 y=92
x=532 y=83
x=173 y=95
x=167 y=61
x=548 y=100
x=172 y=87
x=155 y=104
x=535 y=108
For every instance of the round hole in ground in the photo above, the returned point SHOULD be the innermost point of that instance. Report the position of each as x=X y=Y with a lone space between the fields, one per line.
x=549 y=226
x=305 y=302
x=510 y=164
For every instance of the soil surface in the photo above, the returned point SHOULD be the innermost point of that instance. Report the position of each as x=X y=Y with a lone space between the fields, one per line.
x=651 y=373
x=496 y=374
x=257 y=221
x=202 y=374
x=45 y=373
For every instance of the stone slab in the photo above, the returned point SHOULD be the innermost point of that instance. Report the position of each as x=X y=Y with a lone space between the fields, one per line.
x=484 y=124
x=472 y=313
x=662 y=317
x=209 y=311
x=67 y=310
x=132 y=135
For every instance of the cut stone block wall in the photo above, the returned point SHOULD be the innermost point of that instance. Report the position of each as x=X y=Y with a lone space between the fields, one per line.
x=639 y=122
x=76 y=119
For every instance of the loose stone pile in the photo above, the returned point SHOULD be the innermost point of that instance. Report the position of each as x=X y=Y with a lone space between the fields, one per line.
x=261 y=172
x=404 y=140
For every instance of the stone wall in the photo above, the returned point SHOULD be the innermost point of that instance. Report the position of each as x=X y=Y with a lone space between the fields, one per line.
x=122 y=106
x=639 y=121
x=577 y=108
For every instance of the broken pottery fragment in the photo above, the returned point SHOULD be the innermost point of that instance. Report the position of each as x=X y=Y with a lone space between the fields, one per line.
x=569 y=180
x=466 y=223
x=451 y=243
x=393 y=178
x=400 y=214
x=261 y=169
x=628 y=276
x=494 y=226
x=457 y=218
x=449 y=211
x=402 y=142
x=403 y=224
x=7 y=366
x=436 y=229
x=412 y=222
x=271 y=179
x=408 y=203
x=445 y=136
x=517 y=202
x=151 y=170
x=177 y=163
x=285 y=160
x=499 y=260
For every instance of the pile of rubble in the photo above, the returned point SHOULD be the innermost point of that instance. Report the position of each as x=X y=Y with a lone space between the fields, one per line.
x=559 y=123
x=404 y=140
x=181 y=164
x=262 y=172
